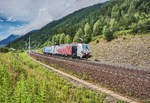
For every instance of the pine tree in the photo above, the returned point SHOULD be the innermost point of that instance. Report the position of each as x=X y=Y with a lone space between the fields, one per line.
x=54 y=39
x=108 y=34
x=62 y=38
x=88 y=32
x=57 y=39
x=78 y=36
x=97 y=28
x=87 y=29
x=68 y=39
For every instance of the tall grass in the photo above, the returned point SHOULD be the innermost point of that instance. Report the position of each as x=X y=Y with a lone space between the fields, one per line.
x=22 y=81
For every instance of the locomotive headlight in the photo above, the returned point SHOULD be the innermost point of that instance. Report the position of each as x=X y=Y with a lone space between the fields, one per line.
x=83 y=52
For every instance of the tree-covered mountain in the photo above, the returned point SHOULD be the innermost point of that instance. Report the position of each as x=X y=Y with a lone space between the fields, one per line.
x=9 y=39
x=109 y=20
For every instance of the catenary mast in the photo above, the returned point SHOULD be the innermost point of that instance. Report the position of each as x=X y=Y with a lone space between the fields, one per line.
x=29 y=46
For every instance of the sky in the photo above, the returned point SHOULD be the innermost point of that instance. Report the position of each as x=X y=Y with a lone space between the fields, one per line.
x=22 y=16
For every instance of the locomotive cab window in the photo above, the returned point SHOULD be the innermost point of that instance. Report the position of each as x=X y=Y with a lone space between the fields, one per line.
x=86 y=47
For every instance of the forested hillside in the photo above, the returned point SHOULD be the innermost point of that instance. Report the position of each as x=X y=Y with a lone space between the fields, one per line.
x=108 y=20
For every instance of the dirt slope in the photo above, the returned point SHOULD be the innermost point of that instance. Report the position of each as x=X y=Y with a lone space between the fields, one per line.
x=131 y=50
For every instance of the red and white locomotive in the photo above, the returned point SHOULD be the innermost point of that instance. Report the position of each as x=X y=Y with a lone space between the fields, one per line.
x=75 y=50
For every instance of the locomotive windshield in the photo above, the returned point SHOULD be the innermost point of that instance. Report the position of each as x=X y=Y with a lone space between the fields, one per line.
x=86 y=47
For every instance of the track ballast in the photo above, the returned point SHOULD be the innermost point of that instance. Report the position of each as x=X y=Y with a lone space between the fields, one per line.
x=134 y=82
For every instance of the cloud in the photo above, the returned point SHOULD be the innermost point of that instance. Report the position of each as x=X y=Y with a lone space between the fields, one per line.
x=1 y=20
x=39 y=12
x=11 y=19
x=42 y=19
x=2 y=36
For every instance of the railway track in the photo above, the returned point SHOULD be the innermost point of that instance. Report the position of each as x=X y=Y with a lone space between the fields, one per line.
x=135 y=82
x=130 y=71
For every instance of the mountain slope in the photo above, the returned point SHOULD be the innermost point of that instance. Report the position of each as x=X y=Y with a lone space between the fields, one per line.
x=71 y=21
x=108 y=20
x=9 y=39
x=131 y=50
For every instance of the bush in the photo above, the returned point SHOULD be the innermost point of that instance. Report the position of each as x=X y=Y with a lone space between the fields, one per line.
x=97 y=37
x=108 y=35
x=97 y=41
x=123 y=32
x=97 y=60
x=4 y=50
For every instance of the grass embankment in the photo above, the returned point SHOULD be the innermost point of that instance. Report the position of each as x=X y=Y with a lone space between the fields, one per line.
x=129 y=49
x=22 y=81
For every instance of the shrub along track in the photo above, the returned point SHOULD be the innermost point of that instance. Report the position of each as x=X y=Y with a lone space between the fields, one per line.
x=135 y=83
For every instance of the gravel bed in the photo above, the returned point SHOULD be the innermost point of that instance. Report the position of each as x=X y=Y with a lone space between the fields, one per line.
x=133 y=82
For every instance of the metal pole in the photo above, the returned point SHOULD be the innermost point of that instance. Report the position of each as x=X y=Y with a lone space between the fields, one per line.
x=29 y=45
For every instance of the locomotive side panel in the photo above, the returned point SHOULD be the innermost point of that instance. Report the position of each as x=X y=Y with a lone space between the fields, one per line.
x=55 y=49
x=74 y=50
x=47 y=50
x=65 y=50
